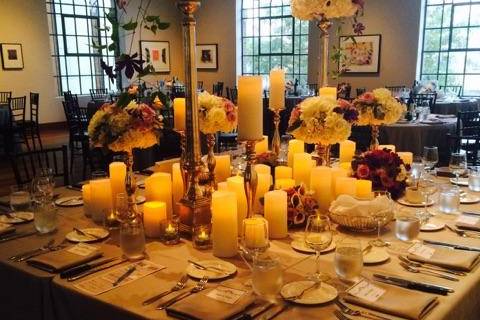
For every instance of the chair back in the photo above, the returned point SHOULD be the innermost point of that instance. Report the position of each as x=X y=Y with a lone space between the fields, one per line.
x=361 y=91
x=468 y=123
x=232 y=94
x=99 y=94
x=178 y=92
x=200 y=85
x=218 y=89
x=313 y=87
x=34 y=102
x=16 y=108
x=25 y=165
x=422 y=99
x=4 y=96
x=344 y=90
x=455 y=89
x=395 y=89
x=68 y=96
x=77 y=119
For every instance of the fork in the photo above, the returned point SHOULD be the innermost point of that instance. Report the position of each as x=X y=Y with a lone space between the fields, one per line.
x=198 y=287
x=430 y=267
x=17 y=257
x=85 y=234
x=346 y=309
x=412 y=269
x=464 y=233
x=300 y=295
x=178 y=286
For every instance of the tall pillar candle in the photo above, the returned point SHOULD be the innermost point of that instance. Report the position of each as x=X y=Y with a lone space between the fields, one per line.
x=337 y=173
x=328 y=92
x=222 y=167
x=276 y=209
x=222 y=186
x=101 y=195
x=250 y=108
x=364 y=189
x=346 y=185
x=321 y=184
x=283 y=172
x=235 y=184
x=407 y=157
x=224 y=224
x=294 y=146
x=347 y=151
x=277 y=89
x=263 y=185
x=262 y=168
x=153 y=213
x=262 y=146
x=158 y=187
x=118 y=172
x=177 y=186
x=302 y=166
x=284 y=183
x=179 y=114
x=87 y=199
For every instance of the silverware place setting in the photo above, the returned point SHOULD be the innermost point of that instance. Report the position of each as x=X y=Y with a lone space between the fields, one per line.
x=211 y=268
x=352 y=312
x=39 y=251
x=437 y=274
x=428 y=266
x=200 y=286
x=464 y=233
x=45 y=247
x=177 y=287
x=85 y=234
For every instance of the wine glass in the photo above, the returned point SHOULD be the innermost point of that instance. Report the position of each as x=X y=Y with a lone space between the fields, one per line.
x=381 y=215
x=318 y=236
x=457 y=165
x=430 y=157
x=43 y=184
x=427 y=187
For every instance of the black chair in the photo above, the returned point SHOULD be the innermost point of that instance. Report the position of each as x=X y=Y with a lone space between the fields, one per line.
x=344 y=90
x=178 y=92
x=425 y=99
x=25 y=165
x=395 y=88
x=467 y=135
x=361 y=91
x=69 y=96
x=313 y=87
x=458 y=90
x=200 y=85
x=218 y=89
x=32 y=125
x=4 y=96
x=99 y=94
x=15 y=132
x=232 y=94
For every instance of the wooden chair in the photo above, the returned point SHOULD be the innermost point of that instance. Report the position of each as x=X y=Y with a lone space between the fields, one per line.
x=32 y=125
x=25 y=165
x=218 y=89
x=15 y=132
x=344 y=90
x=467 y=135
x=360 y=91
x=458 y=90
x=232 y=94
x=423 y=99
x=99 y=94
x=200 y=85
x=4 y=96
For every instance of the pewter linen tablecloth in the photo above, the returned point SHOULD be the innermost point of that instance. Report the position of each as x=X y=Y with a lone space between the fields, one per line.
x=61 y=300
x=453 y=107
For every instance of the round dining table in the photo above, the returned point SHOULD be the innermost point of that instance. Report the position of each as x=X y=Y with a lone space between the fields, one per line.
x=4 y=114
x=455 y=106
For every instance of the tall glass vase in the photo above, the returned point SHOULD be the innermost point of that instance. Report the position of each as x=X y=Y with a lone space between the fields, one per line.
x=374 y=141
x=324 y=25
x=323 y=155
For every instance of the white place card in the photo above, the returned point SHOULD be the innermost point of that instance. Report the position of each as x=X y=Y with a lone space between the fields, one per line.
x=82 y=249
x=421 y=250
x=468 y=220
x=226 y=294
x=366 y=290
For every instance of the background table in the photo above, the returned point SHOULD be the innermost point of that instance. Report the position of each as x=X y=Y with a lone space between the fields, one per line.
x=268 y=127
x=453 y=107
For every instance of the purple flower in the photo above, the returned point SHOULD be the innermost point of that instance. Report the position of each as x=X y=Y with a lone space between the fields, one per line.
x=358 y=28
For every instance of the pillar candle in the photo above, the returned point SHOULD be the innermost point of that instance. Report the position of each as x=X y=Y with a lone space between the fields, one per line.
x=391 y=147
x=264 y=182
x=118 y=172
x=284 y=183
x=179 y=114
x=283 y=172
x=153 y=213
x=101 y=198
x=329 y=91
x=262 y=146
x=407 y=157
x=256 y=235
x=276 y=213
x=87 y=198
x=277 y=89
x=158 y=187
x=224 y=224
x=294 y=146
x=346 y=165
x=346 y=185
x=336 y=173
x=262 y=169
x=250 y=108
x=222 y=186
x=222 y=167
x=347 y=151
x=321 y=184
x=177 y=186
x=302 y=166
x=235 y=184
x=364 y=189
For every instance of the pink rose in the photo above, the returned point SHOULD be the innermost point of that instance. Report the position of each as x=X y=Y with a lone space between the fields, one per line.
x=368 y=97
x=363 y=171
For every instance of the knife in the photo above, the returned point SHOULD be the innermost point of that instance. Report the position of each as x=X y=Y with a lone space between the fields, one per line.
x=17 y=236
x=124 y=276
x=74 y=271
x=95 y=270
x=471 y=213
x=451 y=245
x=420 y=286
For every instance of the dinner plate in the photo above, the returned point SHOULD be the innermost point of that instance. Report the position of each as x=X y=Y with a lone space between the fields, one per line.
x=69 y=201
x=322 y=294
x=432 y=122
x=6 y=228
x=214 y=273
x=469 y=199
x=376 y=255
x=301 y=246
x=99 y=232
x=17 y=217
x=461 y=181
x=405 y=202
x=445 y=116
x=432 y=225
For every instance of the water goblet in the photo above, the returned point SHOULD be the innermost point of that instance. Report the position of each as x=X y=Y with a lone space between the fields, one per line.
x=348 y=259
x=430 y=157
x=381 y=215
x=20 y=199
x=426 y=186
x=318 y=236
x=457 y=165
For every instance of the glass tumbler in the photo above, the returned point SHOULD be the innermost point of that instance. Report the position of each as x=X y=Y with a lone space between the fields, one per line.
x=45 y=217
x=348 y=259
x=449 y=199
x=474 y=178
x=267 y=276
x=132 y=239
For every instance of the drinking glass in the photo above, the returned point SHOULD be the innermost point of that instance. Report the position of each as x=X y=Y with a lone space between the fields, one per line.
x=283 y=156
x=427 y=187
x=122 y=212
x=45 y=217
x=381 y=216
x=267 y=276
x=318 y=236
x=474 y=178
x=132 y=239
x=430 y=157
x=457 y=165
x=416 y=170
x=348 y=259
x=20 y=199
x=254 y=236
x=407 y=226
x=44 y=183
x=449 y=199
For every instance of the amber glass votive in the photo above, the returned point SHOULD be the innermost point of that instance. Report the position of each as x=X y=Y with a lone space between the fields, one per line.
x=169 y=230
x=202 y=237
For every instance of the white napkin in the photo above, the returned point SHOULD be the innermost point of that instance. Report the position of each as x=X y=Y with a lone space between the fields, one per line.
x=348 y=205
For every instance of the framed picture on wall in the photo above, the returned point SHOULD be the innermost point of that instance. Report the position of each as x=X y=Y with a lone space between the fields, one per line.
x=157 y=53
x=360 y=54
x=12 y=56
x=207 y=56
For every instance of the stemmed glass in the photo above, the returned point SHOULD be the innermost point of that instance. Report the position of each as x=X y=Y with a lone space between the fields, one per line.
x=457 y=165
x=427 y=187
x=380 y=216
x=318 y=236
x=430 y=157
x=43 y=184
x=254 y=238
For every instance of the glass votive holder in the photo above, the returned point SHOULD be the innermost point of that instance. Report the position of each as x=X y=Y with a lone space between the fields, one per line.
x=202 y=238
x=169 y=231
x=449 y=199
x=474 y=178
x=416 y=169
x=110 y=221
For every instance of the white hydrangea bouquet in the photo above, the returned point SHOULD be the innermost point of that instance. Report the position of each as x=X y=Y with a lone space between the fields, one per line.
x=378 y=107
x=216 y=114
x=330 y=9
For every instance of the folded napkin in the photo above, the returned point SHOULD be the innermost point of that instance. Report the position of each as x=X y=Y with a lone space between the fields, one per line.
x=398 y=302
x=452 y=259
x=57 y=261
x=462 y=225
x=200 y=306
x=348 y=205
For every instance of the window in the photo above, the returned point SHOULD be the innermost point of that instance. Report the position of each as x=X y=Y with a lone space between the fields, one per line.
x=271 y=38
x=75 y=25
x=451 y=44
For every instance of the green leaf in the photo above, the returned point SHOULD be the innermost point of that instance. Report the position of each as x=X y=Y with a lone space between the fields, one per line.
x=163 y=25
x=154 y=29
x=123 y=100
x=151 y=18
x=112 y=46
x=132 y=25
x=97 y=46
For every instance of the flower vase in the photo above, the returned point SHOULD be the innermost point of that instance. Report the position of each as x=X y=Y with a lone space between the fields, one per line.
x=323 y=154
x=374 y=141
x=324 y=25
x=211 y=162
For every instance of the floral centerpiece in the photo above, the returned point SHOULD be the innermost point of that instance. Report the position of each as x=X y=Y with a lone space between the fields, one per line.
x=384 y=168
x=323 y=121
x=376 y=108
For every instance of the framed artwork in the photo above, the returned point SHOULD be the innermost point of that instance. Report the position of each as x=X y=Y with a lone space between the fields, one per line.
x=361 y=55
x=207 y=56
x=157 y=53
x=12 y=56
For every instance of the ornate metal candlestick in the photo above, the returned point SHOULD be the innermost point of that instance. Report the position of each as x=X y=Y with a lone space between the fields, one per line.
x=211 y=161
x=183 y=141
x=250 y=176
x=323 y=155
x=375 y=133
x=276 y=134
x=324 y=25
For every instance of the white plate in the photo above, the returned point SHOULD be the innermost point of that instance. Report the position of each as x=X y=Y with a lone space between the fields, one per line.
x=432 y=225
x=140 y=199
x=301 y=246
x=445 y=116
x=99 y=232
x=69 y=201
x=469 y=199
x=6 y=228
x=324 y=294
x=23 y=217
x=376 y=255
x=404 y=202
x=461 y=181
x=212 y=274
x=432 y=122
